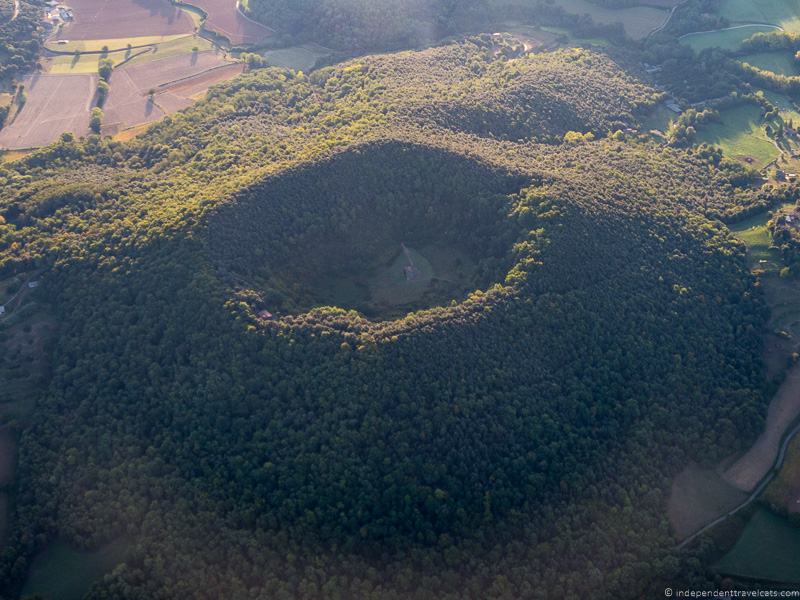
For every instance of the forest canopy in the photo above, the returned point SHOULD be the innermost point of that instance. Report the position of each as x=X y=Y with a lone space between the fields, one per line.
x=248 y=437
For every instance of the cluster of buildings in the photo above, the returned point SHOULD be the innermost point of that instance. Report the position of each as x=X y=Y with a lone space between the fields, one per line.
x=31 y=285
x=58 y=13
x=782 y=175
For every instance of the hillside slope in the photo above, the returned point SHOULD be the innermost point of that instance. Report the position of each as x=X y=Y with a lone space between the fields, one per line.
x=585 y=327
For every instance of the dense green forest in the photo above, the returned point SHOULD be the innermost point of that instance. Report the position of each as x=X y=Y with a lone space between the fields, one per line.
x=20 y=39
x=515 y=440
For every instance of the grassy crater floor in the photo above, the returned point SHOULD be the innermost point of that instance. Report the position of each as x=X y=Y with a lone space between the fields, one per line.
x=388 y=244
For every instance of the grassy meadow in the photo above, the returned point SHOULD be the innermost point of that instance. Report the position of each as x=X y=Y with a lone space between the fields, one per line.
x=739 y=132
x=782 y=63
x=783 y=13
x=297 y=58
x=784 y=491
x=638 y=21
x=728 y=39
x=113 y=43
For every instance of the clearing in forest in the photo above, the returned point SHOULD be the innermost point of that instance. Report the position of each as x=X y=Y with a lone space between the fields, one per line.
x=297 y=58
x=400 y=280
x=739 y=133
x=782 y=63
x=104 y=20
x=55 y=104
x=68 y=48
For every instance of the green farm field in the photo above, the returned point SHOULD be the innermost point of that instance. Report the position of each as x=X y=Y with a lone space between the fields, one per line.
x=113 y=43
x=768 y=550
x=176 y=47
x=297 y=58
x=781 y=294
x=787 y=107
x=726 y=39
x=782 y=63
x=638 y=21
x=755 y=234
x=740 y=135
x=658 y=118
x=783 y=13
x=87 y=63
x=784 y=491
x=84 y=63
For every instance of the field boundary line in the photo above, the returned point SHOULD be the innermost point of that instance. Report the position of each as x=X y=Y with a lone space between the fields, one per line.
x=132 y=56
x=167 y=84
x=241 y=12
x=91 y=52
x=786 y=439
x=667 y=20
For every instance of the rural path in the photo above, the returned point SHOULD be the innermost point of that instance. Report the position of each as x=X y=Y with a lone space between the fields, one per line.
x=244 y=15
x=776 y=467
x=20 y=294
x=667 y=20
x=15 y=296
x=770 y=25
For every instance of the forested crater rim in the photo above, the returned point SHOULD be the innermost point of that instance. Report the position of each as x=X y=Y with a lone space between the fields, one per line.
x=415 y=228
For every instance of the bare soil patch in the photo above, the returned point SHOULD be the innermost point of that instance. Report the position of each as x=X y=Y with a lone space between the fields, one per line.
x=197 y=84
x=107 y=19
x=175 y=80
x=225 y=18
x=56 y=104
x=698 y=496
x=127 y=104
x=751 y=468
x=159 y=73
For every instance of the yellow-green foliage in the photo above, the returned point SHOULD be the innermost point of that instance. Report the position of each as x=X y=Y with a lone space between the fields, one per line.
x=489 y=446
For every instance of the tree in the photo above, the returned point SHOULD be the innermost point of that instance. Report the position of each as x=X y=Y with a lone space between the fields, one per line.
x=96 y=120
